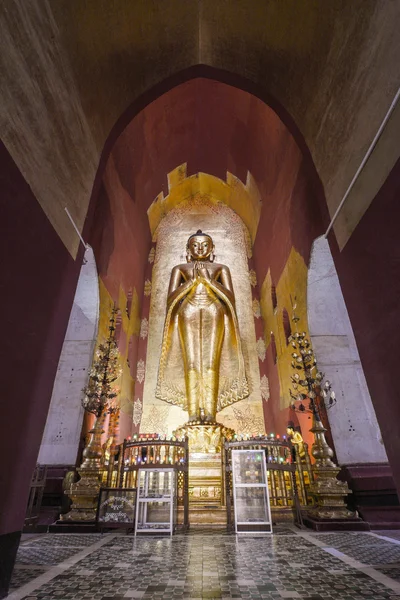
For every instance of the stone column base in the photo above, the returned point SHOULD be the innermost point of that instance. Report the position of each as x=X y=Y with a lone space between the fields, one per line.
x=335 y=525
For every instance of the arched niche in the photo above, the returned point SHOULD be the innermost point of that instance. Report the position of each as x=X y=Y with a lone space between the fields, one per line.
x=352 y=419
x=62 y=432
x=209 y=138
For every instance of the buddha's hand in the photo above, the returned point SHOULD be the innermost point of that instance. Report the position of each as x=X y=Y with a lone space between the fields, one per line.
x=205 y=274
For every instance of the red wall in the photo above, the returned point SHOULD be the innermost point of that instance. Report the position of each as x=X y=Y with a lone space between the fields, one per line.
x=120 y=241
x=214 y=128
x=292 y=217
x=38 y=281
x=369 y=273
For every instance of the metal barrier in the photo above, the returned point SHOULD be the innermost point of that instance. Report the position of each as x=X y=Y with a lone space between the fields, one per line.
x=288 y=476
x=159 y=454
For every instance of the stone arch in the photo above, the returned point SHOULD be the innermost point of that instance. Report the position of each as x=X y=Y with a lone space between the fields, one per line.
x=164 y=158
x=62 y=432
x=229 y=78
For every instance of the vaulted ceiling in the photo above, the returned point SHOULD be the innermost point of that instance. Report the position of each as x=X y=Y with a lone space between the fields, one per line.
x=210 y=127
x=75 y=73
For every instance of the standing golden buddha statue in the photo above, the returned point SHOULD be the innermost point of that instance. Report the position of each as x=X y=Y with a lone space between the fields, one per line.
x=201 y=365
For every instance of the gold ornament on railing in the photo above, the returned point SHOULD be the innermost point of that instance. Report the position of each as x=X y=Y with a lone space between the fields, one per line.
x=111 y=444
x=315 y=397
x=100 y=398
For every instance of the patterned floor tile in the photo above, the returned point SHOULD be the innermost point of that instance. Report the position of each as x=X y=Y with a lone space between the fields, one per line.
x=392 y=572
x=44 y=556
x=365 y=548
x=205 y=565
x=63 y=540
x=390 y=533
x=21 y=576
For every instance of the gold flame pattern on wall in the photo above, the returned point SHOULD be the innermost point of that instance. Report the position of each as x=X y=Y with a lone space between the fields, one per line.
x=243 y=199
x=291 y=287
x=130 y=326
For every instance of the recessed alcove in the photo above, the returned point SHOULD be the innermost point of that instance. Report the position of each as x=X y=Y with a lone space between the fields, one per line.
x=246 y=159
x=198 y=153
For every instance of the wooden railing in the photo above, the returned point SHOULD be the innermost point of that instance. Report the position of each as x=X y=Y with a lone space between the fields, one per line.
x=38 y=483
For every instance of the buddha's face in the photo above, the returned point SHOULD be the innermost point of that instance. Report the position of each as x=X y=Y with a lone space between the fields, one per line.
x=200 y=247
x=290 y=431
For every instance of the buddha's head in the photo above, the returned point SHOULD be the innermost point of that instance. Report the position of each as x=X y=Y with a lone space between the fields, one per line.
x=200 y=247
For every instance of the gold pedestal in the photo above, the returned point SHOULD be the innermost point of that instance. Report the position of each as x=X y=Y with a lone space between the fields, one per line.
x=84 y=494
x=328 y=491
x=205 y=478
x=206 y=481
x=330 y=495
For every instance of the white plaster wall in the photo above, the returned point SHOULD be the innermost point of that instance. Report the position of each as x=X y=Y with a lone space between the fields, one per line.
x=353 y=421
x=64 y=421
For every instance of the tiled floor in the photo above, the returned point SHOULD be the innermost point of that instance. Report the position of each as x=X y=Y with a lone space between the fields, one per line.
x=209 y=564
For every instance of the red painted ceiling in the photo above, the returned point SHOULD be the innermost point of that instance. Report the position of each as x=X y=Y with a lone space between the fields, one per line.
x=214 y=128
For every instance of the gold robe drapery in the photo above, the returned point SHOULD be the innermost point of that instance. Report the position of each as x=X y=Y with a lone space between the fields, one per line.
x=233 y=384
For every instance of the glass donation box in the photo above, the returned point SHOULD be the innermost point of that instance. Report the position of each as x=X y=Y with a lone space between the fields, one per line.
x=250 y=492
x=156 y=505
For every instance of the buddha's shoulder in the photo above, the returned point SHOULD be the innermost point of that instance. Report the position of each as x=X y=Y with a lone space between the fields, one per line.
x=219 y=266
x=182 y=267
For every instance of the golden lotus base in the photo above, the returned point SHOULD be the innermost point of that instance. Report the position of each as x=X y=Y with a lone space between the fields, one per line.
x=205 y=478
x=210 y=516
x=205 y=463
x=204 y=436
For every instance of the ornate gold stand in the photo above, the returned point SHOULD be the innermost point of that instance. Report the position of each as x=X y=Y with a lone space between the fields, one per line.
x=328 y=491
x=112 y=434
x=85 y=492
x=206 y=483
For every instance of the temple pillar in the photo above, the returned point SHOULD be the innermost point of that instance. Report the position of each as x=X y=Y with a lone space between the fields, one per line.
x=356 y=434
x=62 y=433
x=353 y=422
x=39 y=279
